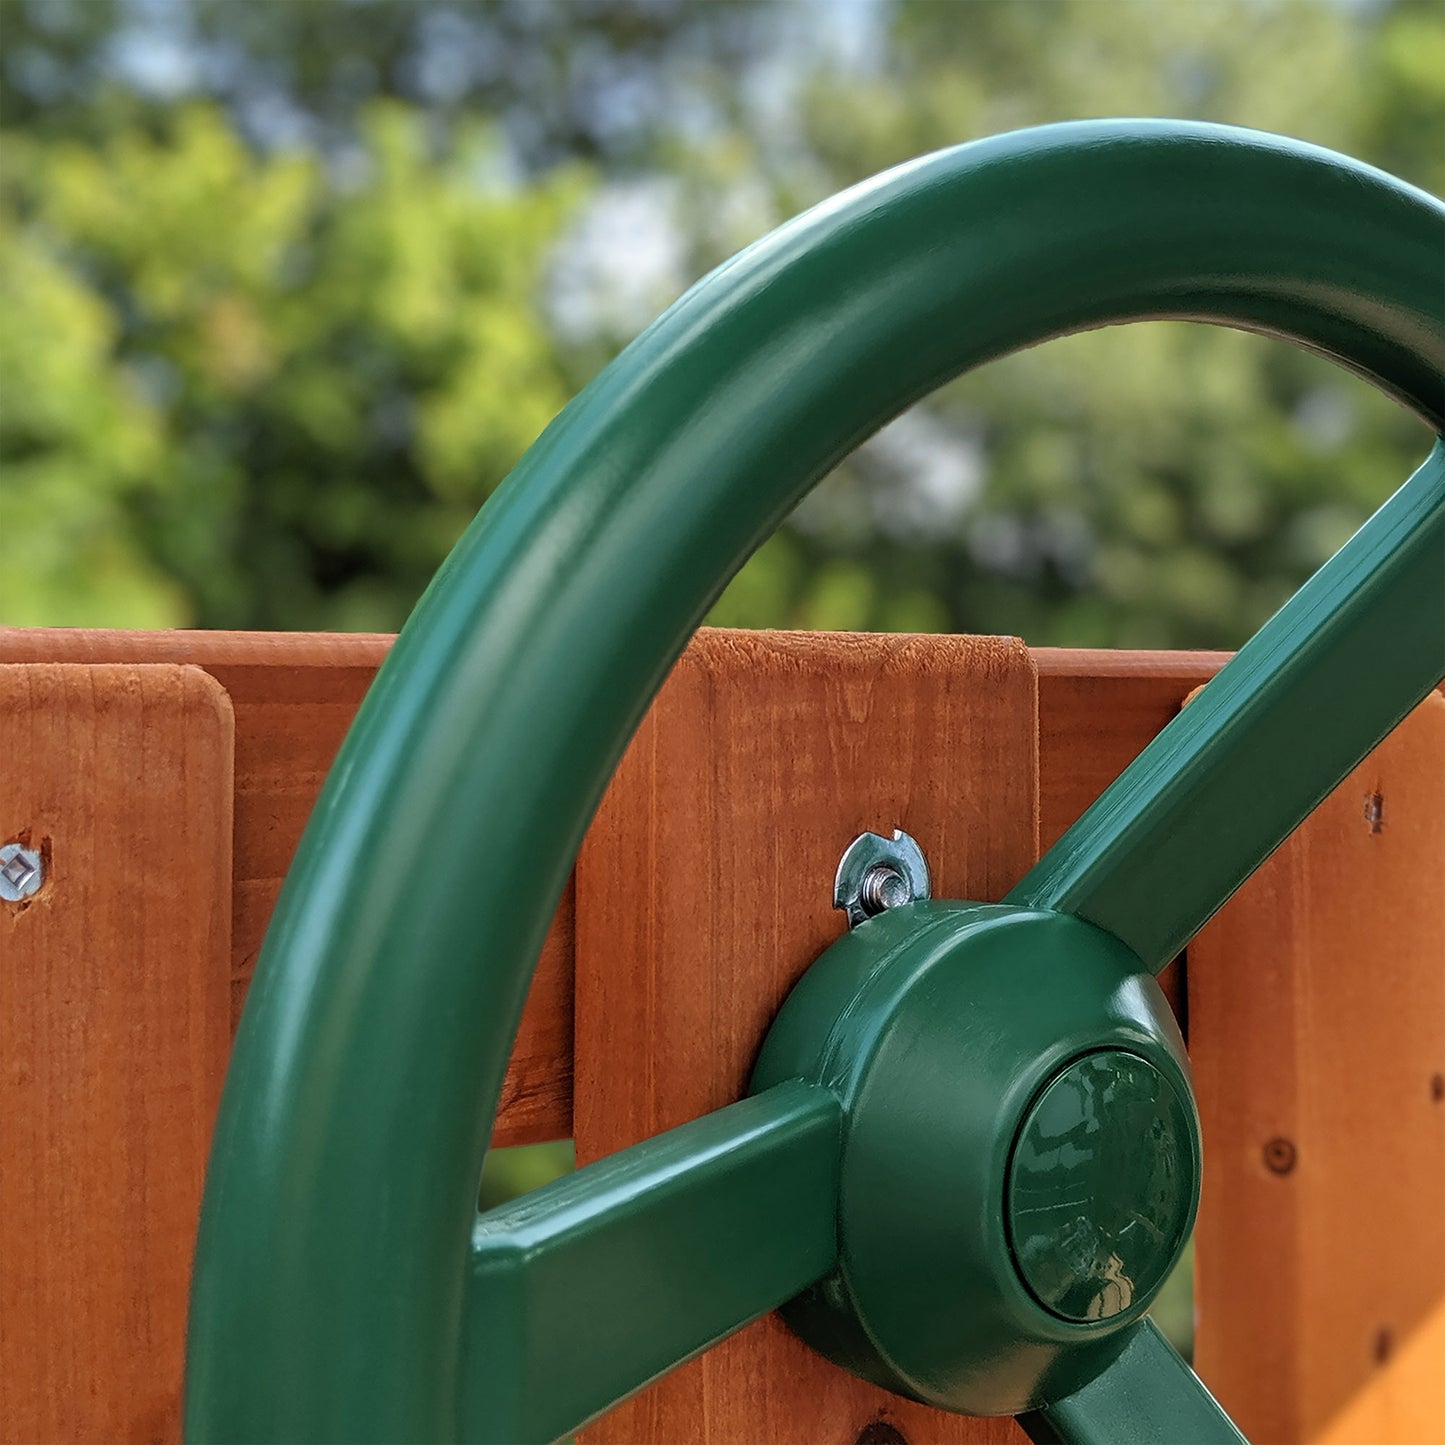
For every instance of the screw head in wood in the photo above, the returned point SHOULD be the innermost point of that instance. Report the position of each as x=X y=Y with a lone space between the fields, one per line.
x=22 y=871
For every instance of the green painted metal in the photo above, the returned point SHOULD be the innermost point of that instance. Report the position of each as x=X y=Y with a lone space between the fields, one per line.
x=1103 y=1185
x=330 y=1290
x=1359 y=645
x=947 y=1031
x=583 y=1291
x=1148 y=1397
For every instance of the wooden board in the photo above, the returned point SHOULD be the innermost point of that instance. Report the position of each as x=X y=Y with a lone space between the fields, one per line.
x=1304 y=1347
x=1098 y=710
x=1317 y=1008
x=294 y=697
x=292 y=700
x=114 y=1011
x=704 y=890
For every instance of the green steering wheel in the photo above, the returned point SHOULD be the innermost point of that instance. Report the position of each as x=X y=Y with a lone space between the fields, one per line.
x=345 y=1287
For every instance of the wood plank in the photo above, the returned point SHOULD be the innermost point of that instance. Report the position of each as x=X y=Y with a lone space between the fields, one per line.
x=1317 y=1008
x=1289 y=1358
x=704 y=891
x=1098 y=710
x=294 y=696
x=114 y=1011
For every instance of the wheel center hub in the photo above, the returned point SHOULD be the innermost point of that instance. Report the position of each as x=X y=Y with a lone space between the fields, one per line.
x=1101 y=1186
x=1020 y=1160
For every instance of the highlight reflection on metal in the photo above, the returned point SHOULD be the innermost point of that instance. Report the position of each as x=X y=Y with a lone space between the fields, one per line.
x=1100 y=1185
x=22 y=871
x=877 y=873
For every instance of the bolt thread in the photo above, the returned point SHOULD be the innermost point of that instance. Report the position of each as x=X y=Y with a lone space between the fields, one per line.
x=883 y=887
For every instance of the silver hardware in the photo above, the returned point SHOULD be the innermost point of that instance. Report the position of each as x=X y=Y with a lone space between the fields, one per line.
x=877 y=873
x=22 y=871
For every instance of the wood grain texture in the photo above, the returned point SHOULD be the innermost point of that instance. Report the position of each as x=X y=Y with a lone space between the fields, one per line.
x=705 y=890
x=294 y=696
x=1098 y=710
x=1317 y=1008
x=1322 y=1290
x=114 y=1012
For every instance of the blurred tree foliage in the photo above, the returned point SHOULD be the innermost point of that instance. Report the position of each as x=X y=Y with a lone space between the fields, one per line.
x=280 y=298
x=1159 y=485
x=238 y=392
x=564 y=79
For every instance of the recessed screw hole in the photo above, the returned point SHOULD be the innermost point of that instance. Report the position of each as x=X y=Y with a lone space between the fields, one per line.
x=1375 y=811
x=880 y=1432
x=1279 y=1156
x=1384 y=1345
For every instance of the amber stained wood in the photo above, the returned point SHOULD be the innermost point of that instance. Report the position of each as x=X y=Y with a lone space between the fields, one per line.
x=294 y=696
x=704 y=892
x=1317 y=1007
x=1098 y=710
x=114 y=1009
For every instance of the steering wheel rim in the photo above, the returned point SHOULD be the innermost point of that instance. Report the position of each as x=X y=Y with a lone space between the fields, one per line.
x=328 y=1295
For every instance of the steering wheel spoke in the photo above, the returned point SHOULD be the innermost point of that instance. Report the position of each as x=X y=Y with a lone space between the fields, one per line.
x=1359 y=645
x=1147 y=1395
x=583 y=1291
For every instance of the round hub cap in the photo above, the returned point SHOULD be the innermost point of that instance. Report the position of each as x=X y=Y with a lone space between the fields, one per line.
x=1101 y=1185
x=1019 y=1150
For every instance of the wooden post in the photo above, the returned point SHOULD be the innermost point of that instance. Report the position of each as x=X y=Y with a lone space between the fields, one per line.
x=1098 y=710
x=1317 y=1026
x=168 y=777
x=293 y=697
x=705 y=889
x=1317 y=998
x=1316 y=1021
x=114 y=1009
